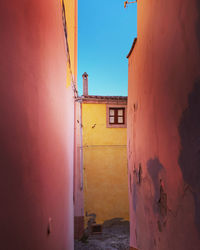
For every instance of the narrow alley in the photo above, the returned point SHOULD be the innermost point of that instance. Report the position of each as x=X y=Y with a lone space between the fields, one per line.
x=100 y=125
x=101 y=183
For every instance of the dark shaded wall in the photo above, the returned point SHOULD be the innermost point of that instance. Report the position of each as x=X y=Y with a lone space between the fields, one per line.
x=164 y=127
x=36 y=128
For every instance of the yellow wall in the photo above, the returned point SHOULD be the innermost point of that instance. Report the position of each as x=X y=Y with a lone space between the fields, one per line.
x=105 y=165
x=71 y=21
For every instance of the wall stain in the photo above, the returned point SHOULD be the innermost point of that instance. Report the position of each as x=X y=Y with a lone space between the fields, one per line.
x=137 y=179
x=159 y=226
x=189 y=158
x=198 y=21
x=140 y=174
x=154 y=168
x=130 y=183
x=162 y=202
x=134 y=196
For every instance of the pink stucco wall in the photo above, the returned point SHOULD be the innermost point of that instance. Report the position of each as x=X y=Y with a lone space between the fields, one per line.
x=164 y=126
x=36 y=128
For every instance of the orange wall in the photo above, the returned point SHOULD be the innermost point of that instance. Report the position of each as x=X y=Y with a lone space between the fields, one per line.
x=164 y=126
x=36 y=121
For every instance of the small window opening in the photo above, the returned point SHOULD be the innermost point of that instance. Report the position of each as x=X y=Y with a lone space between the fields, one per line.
x=116 y=115
x=96 y=229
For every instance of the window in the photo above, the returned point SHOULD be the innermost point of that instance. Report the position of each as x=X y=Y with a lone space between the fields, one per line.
x=116 y=115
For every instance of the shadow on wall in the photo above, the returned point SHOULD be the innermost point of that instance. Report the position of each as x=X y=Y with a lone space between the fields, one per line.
x=189 y=159
x=155 y=169
x=157 y=174
x=137 y=179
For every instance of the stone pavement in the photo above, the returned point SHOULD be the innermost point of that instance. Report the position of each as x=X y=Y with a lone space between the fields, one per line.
x=115 y=235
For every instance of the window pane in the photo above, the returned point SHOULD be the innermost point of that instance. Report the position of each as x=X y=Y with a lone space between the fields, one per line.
x=112 y=112
x=120 y=112
x=120 y=119
x=111 y=119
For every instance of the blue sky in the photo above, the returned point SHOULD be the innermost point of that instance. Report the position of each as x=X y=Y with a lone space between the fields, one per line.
x=105 y=34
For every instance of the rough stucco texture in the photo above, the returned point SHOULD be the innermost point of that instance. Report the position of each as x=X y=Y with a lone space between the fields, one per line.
x=105 y=166
x=36 y=128
x=164 y=127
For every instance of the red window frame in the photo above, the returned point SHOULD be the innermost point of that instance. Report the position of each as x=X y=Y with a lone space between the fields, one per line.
x=116 y=116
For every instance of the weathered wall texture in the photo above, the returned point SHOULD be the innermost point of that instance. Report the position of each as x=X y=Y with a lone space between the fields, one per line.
x=78 y=177
x=105 y=165
x=36 y=128
x=164 y=127
x=71 y=25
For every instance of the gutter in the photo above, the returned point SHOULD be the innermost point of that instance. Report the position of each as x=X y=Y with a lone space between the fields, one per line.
x=133 y=46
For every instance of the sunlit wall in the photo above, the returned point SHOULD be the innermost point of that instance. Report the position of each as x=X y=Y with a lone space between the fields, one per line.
x=164 y=127
x=36 y=121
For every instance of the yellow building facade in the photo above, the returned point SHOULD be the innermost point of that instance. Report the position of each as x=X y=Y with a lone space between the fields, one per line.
x=70 y=20
x=105 y=181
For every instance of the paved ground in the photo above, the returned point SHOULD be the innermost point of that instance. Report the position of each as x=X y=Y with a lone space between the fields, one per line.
x=115 y=235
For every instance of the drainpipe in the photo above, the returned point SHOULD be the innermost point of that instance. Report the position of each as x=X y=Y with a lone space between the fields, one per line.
x=75 y=140
x=81 y=148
